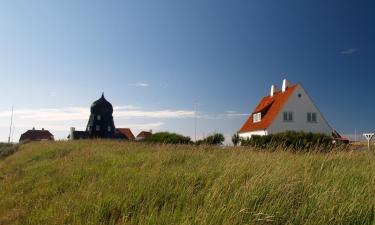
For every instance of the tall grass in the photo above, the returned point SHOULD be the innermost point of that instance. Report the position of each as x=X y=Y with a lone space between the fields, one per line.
x=7 y=149
x=109 y=182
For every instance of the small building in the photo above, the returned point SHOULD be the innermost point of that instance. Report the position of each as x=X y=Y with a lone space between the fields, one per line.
x=124 y=133
x=36 y=135
x=76 y=135
x=288 y=109
x=143 y=135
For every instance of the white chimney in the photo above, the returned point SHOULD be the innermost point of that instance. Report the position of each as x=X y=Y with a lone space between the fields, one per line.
x=72 y=130
x=285 y=85
x=273 y=90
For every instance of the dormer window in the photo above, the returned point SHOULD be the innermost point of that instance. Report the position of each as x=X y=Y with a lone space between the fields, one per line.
x=257 y=117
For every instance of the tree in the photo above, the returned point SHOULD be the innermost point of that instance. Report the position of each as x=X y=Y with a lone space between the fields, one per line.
x=214 y=139
x=235 y=139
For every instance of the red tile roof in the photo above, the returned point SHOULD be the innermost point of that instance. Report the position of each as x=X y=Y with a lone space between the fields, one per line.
x=270 y=108
x=126 y=132
x=144 y=134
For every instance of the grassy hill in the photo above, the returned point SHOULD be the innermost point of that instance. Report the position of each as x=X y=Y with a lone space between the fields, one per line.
x=109 y=182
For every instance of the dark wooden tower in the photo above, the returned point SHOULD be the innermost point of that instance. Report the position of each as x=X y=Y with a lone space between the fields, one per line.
x=101 y=123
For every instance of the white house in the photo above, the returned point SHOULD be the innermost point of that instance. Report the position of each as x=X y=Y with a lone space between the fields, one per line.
x=288 y=109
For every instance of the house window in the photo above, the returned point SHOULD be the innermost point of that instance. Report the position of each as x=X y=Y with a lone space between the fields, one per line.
x=288 y=116
x=257 y=117
x=109 y=128
x=311 y=117
x=98 y=117
x=97 y=127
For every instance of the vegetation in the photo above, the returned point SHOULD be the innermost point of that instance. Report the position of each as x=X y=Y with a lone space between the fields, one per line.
x=292 y=140
x=7 y=149
x=236 y=139
x=113 y=182
x=214 y=139
x=167 y=138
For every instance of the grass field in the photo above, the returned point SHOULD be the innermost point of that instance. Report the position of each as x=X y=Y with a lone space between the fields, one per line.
x=109 y=182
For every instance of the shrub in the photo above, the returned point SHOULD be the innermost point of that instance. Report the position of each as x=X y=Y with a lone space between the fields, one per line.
x=292 y=140
x=235 y=139
x=7 y=150
x=214 y=139
x=167 y=138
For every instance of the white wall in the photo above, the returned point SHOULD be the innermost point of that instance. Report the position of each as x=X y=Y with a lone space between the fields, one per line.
x=300 y=106
x=251 y=133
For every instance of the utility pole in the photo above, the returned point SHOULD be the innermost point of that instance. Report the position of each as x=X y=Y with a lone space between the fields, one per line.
x=14 y=128
x=11 y=126
x=195 y=122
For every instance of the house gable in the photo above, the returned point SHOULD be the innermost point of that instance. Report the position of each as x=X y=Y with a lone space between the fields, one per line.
x=299 y=104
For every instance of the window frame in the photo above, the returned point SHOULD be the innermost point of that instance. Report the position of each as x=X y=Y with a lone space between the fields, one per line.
x=288 y=116
x=257 y=117
x=312 y=117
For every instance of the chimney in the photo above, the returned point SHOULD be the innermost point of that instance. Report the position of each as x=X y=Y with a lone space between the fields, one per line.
x=42 y=128
x=72 y=130
x=285 y=85
x=273 y=90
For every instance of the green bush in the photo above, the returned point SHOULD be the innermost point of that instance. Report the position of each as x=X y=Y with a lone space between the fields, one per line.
x=214 y=139
x=7 y=149
x=236 y=139
x=167 y=138
x=292 y=140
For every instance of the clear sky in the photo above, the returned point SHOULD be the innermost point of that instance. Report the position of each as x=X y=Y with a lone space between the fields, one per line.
x=156 y=59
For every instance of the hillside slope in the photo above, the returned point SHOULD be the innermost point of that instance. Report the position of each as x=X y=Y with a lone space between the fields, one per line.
x=109 y=182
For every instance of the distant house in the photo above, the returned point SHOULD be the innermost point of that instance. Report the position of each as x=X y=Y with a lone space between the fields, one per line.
x=76 y=135
x=288 y=109
x=124 y=133
x=36 y=135
x=143 y=135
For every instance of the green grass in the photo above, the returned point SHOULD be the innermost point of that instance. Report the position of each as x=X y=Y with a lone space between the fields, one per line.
x=7 y=149
x=109 y=182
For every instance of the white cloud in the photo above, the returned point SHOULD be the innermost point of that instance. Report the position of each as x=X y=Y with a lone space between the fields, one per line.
x=130 y=107
x=154 y=114
x=349 y=51
x=82 y=113
x=144 y=126
x=140 y=84
x=53 y=94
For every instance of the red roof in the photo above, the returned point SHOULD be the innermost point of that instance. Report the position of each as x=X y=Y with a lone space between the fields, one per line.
x=144 y=134
x=270 y=108
x=126 y=132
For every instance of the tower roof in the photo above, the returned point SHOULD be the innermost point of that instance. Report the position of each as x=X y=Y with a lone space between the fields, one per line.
x=101 y=106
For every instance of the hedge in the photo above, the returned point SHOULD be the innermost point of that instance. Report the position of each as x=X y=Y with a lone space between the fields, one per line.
x=167 y=138
x=292 y=140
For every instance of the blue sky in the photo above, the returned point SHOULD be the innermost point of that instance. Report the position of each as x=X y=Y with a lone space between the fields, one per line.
x=155 y=59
